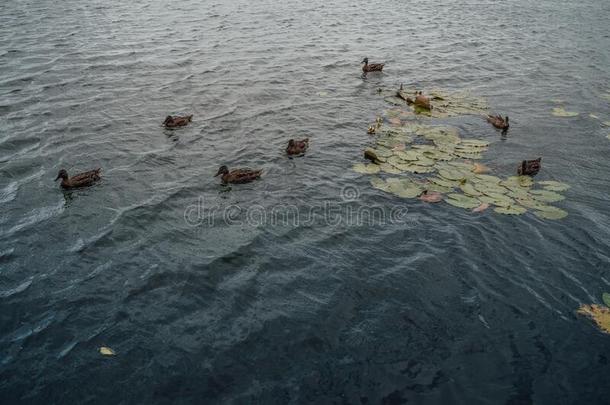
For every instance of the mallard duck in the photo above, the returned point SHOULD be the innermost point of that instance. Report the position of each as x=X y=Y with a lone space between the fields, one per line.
x=177 y=121
x=297 y=147
x=529 y=167
x=498 y=122
x=80 y=180
x=422 y=101
x=373 y=67
x=401 y=94
x=237 y=175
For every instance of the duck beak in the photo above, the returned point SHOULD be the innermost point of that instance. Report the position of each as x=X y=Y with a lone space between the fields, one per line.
x=57 y=178
x=217 y=174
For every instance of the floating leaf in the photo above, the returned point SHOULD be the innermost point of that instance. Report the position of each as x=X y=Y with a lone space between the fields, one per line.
x=599 y=314
x=498 y=200
x=551 y=213
x=394 y=121
x=468 y=189
x=431 y=197
x=553 y=185
x=511 y=210
x=409 y=155
x=462 y=201
x=606 y=298
x=388 y=168
x=480 y=168
x=106 y=351
x=546 y=195
x=405 y=189
x=366 y=168
x=481 y=207
x=380 y=184
x=561 y=112
x=593 y=116
x=451 y=174
x=478 y=143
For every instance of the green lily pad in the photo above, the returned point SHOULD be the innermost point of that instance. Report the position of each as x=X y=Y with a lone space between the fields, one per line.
x=366 y=168
x=477 y=143
x=468 y=189
x=444 y=182
x=551 y=213
x=451 y=174
x=388 y=168
x=498 y=200
x=424 y=161
x=415 y=168
x=546 y=195
x=486 y=178
x=394 y=100
x=406 y=189
x=561 y=112
x=461 y=165
x=409 y=155
x=510 y=210
x=438 y=188
x=606 y=299
x=462 y=201
x=553 y=185
x=380 y=184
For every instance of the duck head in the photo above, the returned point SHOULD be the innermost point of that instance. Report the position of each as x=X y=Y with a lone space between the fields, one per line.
x=291 y=143
x=168 y=120
x=222 y=170
x=506 y=119
x=365 y=61
x=63 y=174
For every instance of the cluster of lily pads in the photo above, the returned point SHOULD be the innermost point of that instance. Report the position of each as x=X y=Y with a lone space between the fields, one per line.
x=600 y=314
x=439 y=165
x=444 y=104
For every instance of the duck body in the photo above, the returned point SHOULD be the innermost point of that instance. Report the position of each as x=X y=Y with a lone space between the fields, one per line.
x=297 y=147
x=371 y=67
x=529 y=167
x=237 y=176
x=84 y=179
x=422 y=101
x=498 y=122
x=177 y=121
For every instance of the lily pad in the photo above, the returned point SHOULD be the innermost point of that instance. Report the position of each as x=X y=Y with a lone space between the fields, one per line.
x=409 y=155
x=606 y=299
x=380 y=184
x=388 y=168
x=106 y=351
x=551 y=213
x=510 y=210
x=599 y=314
x=405 y=189
x=462 y=201
x=468 y=189
x=553 y=185
x=366 y=168
x=476 y=143
x=451 y=174
x=546 y=195
x=561 y=112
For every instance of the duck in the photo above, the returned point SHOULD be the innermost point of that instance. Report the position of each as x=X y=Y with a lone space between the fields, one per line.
x=297 y=147
x=498 y=122
x=237 y=176
x=422 y=101
x=373 y=67
x=401 y=94
x=529 y=167
x=177 y=121
x=84 y=179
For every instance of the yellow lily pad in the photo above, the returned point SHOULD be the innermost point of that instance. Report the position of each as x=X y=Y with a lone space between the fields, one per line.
x=599 y=314
x=106 y=351
x=366 y=168
x=561 y=112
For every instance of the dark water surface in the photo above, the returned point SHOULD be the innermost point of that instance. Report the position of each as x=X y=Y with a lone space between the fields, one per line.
x=445 y=306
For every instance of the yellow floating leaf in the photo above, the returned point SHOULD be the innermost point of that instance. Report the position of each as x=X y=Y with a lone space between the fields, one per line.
x=480 y=168
x=599 y=314
x=106 y=351
x=561 y=112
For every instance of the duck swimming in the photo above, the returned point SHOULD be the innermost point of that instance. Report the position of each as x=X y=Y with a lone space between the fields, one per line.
x=422 y=101
x=84 y=179
x=373 y=67
x=177 y=121
x=297 y=147
x=237 y=176
x=499 y=122
x=529 y=167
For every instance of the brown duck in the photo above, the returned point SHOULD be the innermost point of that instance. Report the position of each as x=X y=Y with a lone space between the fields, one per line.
x=529 y=167
x=80 y=180
x=498 y=122
x=297 y=147
x=237 y=175
x=373 y=67
x=177 y=121
x=422 y=101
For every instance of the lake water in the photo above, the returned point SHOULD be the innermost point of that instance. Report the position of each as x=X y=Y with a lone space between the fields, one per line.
x=203 y=298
